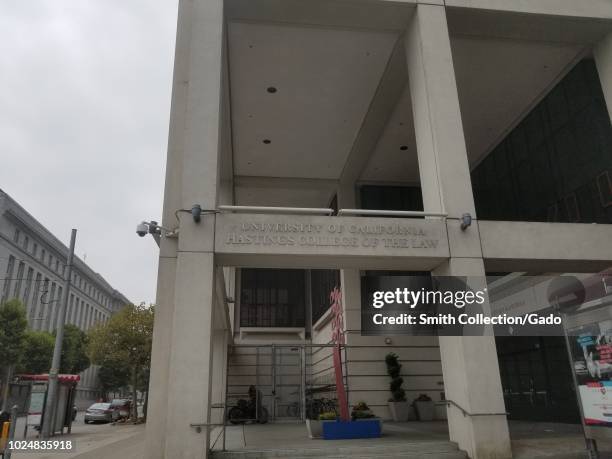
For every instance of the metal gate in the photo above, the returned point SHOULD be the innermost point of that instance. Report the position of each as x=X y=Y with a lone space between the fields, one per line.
x=287 y=382
x=278 y=374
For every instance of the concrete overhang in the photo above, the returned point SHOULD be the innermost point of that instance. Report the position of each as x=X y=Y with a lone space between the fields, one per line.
x=560 y=8
x=545 y=247
x=298 y=241
x=361 y=14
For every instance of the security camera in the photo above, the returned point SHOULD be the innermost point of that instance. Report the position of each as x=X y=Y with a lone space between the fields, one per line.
x=142 y=229
x=155 y=230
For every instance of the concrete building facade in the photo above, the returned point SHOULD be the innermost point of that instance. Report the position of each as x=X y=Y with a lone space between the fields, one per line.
x=33 y=264
x=291 y=120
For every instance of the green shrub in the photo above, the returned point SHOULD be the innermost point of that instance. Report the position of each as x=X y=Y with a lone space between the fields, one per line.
x=328 y=416
x=398 y=394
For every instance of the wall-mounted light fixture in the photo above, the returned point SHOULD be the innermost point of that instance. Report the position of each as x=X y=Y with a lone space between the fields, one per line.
x=466 y=220
x=196 y=213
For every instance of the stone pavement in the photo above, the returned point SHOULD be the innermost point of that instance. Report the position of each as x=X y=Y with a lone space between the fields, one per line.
x=530 y=440
x=93 y=441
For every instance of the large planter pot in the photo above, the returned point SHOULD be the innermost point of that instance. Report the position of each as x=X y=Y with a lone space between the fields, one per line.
x=363 y=428
x=425 y=410
x=315 y=428
x=400 y=411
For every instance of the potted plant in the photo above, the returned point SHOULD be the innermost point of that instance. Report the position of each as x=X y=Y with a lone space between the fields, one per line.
x=363 y=424
x=315 y=426
x=398 y=405
x=424 y=407
x=361 y=411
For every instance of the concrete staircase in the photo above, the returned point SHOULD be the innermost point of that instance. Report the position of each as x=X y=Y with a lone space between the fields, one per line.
x=409 y=450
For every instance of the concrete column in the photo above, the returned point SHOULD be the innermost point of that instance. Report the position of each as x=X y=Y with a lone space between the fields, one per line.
x=160 y=358
x=190 y=380
x=469 y=364
x=603 y=60
x=443 y=166
x=182 y=354
x=472 y=380
x=220 y=338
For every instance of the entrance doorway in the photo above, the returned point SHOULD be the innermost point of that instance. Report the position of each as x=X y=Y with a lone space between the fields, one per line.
x=278 y=374
x=536 y=379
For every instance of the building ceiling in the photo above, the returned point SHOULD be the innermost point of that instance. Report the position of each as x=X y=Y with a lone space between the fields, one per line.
x=498 y=82
x=324 y=80
x=299 y=96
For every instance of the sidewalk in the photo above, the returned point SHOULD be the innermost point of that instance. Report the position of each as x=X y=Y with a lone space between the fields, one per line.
x=96 y=441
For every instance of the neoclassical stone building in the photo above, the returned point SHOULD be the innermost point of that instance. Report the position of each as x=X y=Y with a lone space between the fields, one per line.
x=32 y=263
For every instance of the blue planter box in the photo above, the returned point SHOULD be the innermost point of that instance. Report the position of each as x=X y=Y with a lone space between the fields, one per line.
x=366 y=428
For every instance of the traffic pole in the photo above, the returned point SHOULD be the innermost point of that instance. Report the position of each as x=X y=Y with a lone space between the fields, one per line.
x=47 y=426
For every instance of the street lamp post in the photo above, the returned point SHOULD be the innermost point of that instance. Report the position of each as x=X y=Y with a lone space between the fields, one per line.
x=49 y=412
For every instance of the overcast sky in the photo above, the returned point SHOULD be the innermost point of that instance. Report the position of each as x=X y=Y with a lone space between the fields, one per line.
x=84 y=106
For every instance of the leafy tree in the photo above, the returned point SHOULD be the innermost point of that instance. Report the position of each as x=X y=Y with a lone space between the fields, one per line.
x=74 y=350
x=13 y=325
x=113 y=378
x=123 y=344
x=38 y=352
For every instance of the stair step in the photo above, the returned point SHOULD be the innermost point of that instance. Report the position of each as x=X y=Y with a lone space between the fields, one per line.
x=413 y=455
x=377 y=455
x=411 y=450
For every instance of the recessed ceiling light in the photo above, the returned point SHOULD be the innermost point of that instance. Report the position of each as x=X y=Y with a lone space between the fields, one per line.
x=403 y=148
x=271 y=89
x=267 y=141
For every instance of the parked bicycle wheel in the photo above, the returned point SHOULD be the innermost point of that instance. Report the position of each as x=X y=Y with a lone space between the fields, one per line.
x=293 y=410
x=263 y=416
x=236 y=416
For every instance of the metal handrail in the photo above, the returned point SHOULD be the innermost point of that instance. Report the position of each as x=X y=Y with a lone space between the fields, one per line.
x=277 y=210
x=390 y=213
x=467 y=413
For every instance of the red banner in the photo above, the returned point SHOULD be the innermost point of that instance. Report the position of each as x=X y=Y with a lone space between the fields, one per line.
x=338 y=339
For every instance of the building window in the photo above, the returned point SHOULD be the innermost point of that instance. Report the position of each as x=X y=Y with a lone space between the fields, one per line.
x=43 y=254
x=568 y=135
x=69 y=311
x=57 y=308
x=7 y=278
x=391 y=197
x=35 y=300
x=16 y=236
x=322 y=282
x=51 y=307
x=44 y=306
x=272 y=298
x=79 y=312
x=26 y=243
x=18 y=279
x=35 y=250
x=28 y=288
